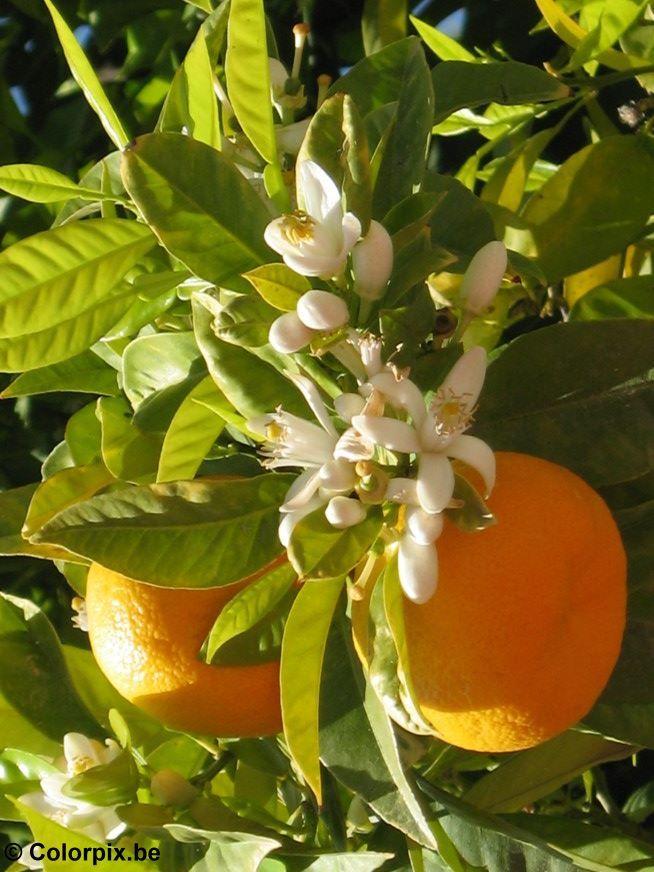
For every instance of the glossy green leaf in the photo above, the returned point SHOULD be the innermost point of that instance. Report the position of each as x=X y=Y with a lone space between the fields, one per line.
x=84 y=373
x=582 y=399
x=20 y=773
x=383 y=22
x=357 y=742
x=86 y=78
x=623 y=298
x=42 y=184
x=527 y=777
x=198 y=204
x=614 y=19
x=59 y=290
x=63 y=489
x=128 y=452
x=318 y=550
x=193 y=430
x=44 y=695
x=303 y=649
x=443 y=46
x=250 y=384
x=191 y=105
x=460 y=222
x=249 y=606
x=460 y=84
x=580 y=217
x=227 y=850
x=248 y=75
x=109 y=784
x=152 y=363
x=84 y=436
x=278 y=285
x=211 y=528
x=245 y=320
x=14 y=506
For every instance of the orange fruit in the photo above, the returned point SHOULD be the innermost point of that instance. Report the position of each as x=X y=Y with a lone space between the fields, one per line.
x=526 y=624
x=147 y=639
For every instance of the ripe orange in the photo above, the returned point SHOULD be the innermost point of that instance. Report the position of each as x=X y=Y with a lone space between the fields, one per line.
x=146 y=640
x=526 y=624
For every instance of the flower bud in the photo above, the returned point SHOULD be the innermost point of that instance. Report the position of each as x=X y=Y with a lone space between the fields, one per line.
x=343 y=512
x=170 y=788
x=337 y=475
x=322 y=310
x=372 y=262
x=418 y=569
x=483 y=277
x=288 y=334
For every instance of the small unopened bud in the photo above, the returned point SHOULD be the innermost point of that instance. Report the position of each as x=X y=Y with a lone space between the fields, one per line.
x=170 y=788
x=288 y=334
x=322 y=310
x=343 y=512
x=483 y=277
x=337 y=475
x=424 y=528
x=372 y=262
x=300 y=33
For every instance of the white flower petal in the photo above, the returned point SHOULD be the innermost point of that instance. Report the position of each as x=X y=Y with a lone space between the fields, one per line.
x=312 y=395
x=477 y=454
x=348 y=405
x=337 y=475
x=313 y=264
x=351 y=227
x=288 y=334
x=259 y=424
x=372 y=262
x=291 y=136
x=307 y=482
x=353 y=446
x=322 y=310
x=418 y=569
x=343 y=512
x=466 y=378
x=403 y=490
x=435 y=482
x=403 y=393
x=317 y=190
x=389 y=432
x=424 y=528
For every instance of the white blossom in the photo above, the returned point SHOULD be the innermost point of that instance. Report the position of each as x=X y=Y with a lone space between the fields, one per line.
x=80 y=754
x=315 y=241
x=483 y=277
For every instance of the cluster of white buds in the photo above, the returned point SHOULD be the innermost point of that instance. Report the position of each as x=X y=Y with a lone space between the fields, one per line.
x=80 y=754
x=318 y=239
x=316 y=312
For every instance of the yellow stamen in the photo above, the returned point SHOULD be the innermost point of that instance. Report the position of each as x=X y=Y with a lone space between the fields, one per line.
x=298 y=227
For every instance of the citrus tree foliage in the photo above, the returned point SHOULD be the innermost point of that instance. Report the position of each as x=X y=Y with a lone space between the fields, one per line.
x=137 y=295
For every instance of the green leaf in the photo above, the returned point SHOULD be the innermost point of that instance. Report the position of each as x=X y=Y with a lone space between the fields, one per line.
x=614 y=20
x=336 y=140
x=109 y=784
x=318 y=550
x=250 y=384
x=14 y=504
x=193 y=430
x=20 y=773
x=227 y=850
x=84 y=373
x=640 y=804
x=460 y=84
x=623 y=298
x=175 y=181
x=383 y=22
x=357 y=742
x=580 y=217
x=60 y=291
x=218 y=531
x=527 y=777
x=583 y=398
x=152 y=363
x=63 y=489
x=42 y=185
x=249 y=606
x=303 y=648
x=443 y=46
x=248 y=75
x=278 y=285
x=191 y=104
x=245 y=320
x=42 y=695
x=403 y=163
x=460 y=222
x=86 y=78
x=128 y=452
